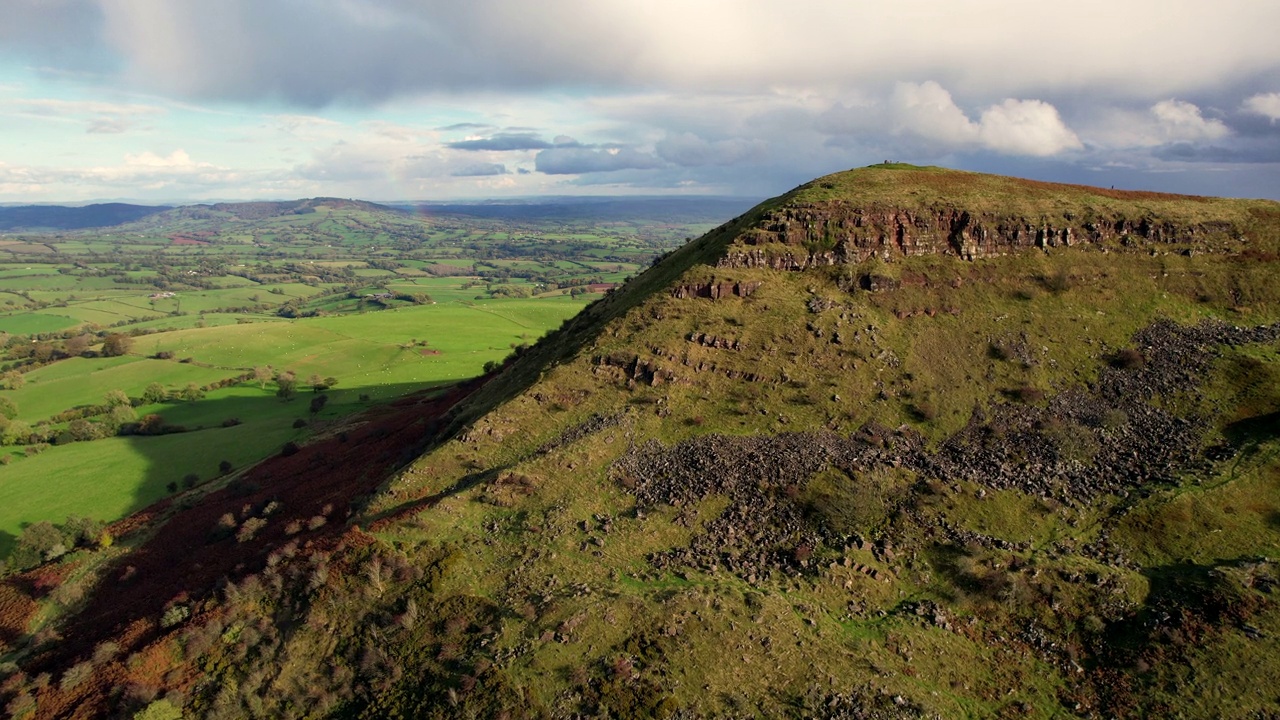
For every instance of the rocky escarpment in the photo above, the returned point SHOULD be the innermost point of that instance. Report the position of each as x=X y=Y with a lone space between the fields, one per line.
x=800 y=236
x=1086 y=442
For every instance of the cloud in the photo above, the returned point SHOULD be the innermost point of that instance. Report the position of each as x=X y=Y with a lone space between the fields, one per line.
x=1264 y=104
x=66 y=33
x=464 y=126
x=1180 y=120
x=690 y=150
x=502 y=141
x=106 y=126
x=1026 y=127
x=302 y=123
x=1188 y=152
x=369 y=51
x=364 y=96
x=571 y=161
x=144 y=172
x=152 y=170
x=928 y=112
x=517 y=139
x=481 y=170
x=98 y=117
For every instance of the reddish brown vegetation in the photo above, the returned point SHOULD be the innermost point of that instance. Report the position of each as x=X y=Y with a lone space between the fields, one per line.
x=16 y=608
x=186 y=560
x=184 y=240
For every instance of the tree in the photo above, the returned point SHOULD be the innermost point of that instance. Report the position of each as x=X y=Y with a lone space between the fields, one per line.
x=317 y=383
x=38 y=542
x=192 y=392
x=286 y=385
x=121 y=415
x=262 y=374
x=15 y=432
x=81 y=430
x=155 y=393
x=8 y=408
x=159 y=710
x=115 y=398
x=318 y=402
x=76 y=345
x=12 y=380
x=117 y=344
x=79 y=530
x=42 y=351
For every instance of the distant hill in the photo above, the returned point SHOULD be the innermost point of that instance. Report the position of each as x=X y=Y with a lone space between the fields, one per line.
x=58 y=217
x=261 y=210
x=675 y=210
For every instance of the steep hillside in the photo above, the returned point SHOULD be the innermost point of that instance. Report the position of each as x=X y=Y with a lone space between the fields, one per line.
x=903 y=442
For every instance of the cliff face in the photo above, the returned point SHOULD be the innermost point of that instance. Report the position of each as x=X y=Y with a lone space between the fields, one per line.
x=802 y=236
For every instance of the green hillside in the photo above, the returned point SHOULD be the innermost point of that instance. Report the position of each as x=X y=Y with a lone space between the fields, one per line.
x=905 y=442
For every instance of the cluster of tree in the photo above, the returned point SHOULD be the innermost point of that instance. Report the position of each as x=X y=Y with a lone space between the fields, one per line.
x=115 y=416
x=44 y=541
x=33 y=353
x=286 y=382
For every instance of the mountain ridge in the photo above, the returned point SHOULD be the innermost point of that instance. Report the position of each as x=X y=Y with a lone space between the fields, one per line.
x=60 y=217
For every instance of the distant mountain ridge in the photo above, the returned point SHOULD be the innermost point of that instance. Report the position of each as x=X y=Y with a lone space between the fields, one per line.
x=61 y=217
x=259 y=210
x=675 y=209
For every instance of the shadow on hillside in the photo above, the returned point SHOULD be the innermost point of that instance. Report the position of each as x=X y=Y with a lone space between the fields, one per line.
x=270 y=421
x=7 y=541
x=171 y=462
x=297 y=497
x=1253 y=430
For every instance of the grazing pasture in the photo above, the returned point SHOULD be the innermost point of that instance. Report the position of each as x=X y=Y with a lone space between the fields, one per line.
x=372 y=302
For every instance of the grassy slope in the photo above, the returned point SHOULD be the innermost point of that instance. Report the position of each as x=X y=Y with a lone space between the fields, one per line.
x=525 y=578
x=537 y=547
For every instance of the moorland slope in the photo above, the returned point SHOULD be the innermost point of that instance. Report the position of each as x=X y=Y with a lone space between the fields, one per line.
x=903 y=442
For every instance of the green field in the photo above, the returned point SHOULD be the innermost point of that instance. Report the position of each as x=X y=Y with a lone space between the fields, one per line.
x=110 y=478
x=83 y=381
x=375 y=347
x=383 y=302
x=32 y=323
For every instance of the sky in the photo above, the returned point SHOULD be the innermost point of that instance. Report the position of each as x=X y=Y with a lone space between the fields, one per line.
x=192 y=100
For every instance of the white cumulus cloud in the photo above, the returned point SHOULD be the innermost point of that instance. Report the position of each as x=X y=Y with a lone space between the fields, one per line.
x=1180 y=120
x=1026 y=127
x=1265 y=104
x=1012 y=127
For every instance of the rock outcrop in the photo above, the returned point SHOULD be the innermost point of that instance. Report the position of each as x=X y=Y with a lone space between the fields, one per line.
x=802 y=236
x=715 y=289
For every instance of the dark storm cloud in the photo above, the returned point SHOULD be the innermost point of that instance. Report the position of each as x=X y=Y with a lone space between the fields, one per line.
x=575 y=160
